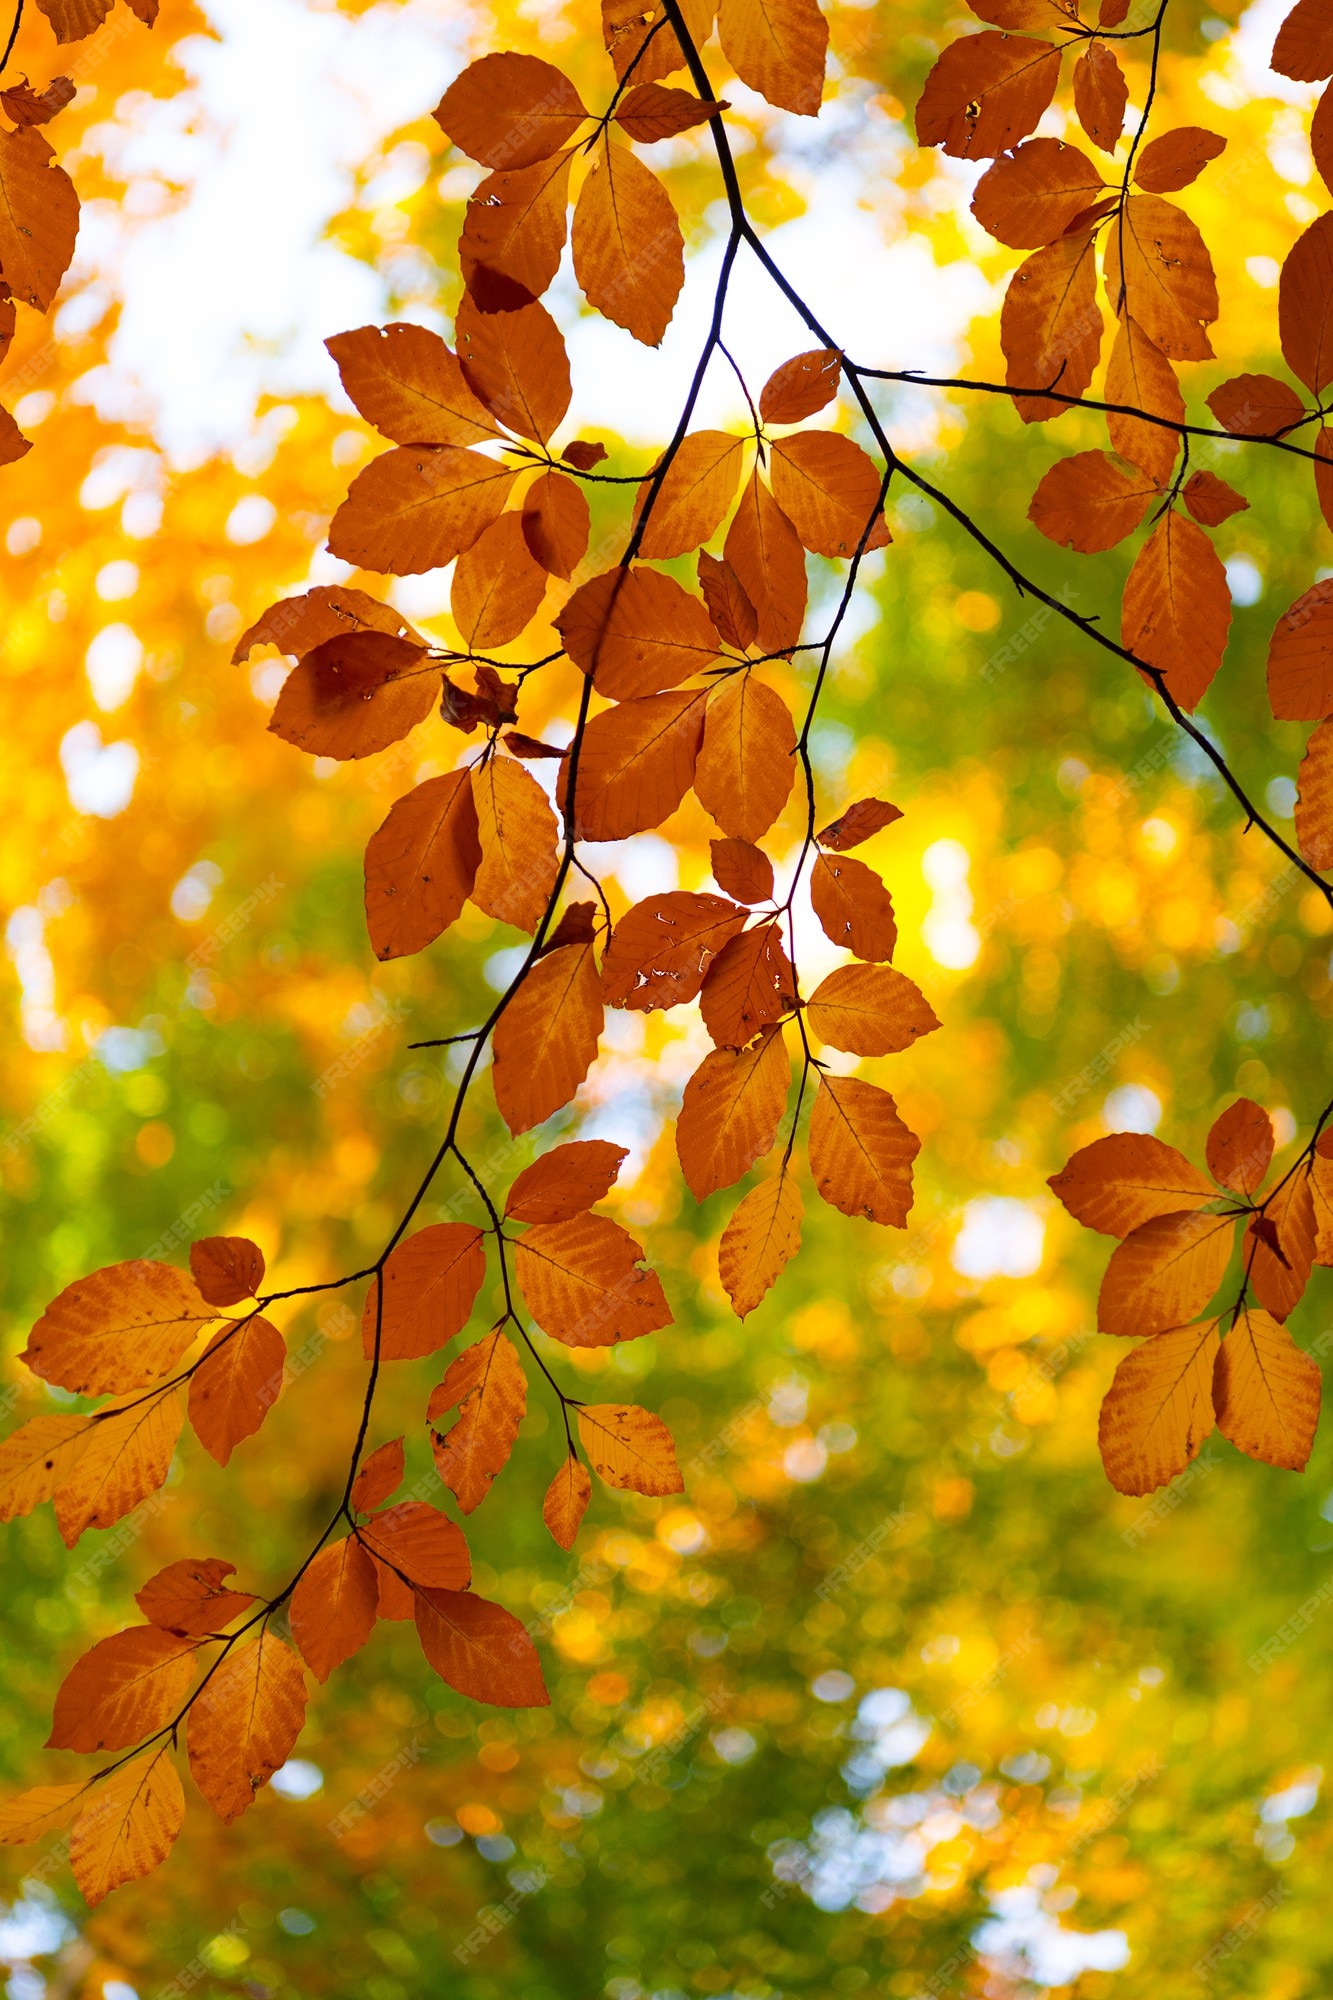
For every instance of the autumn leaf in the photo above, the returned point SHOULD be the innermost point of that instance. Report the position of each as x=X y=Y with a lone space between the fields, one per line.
x=747 y=758
x=869 y=1010
x=830 y=491
x=1087 y=503
x=431 y=1281
x=355 y=695
x=853 y=906
x=510 y=110
x=650 y=47
x=742 y=870
x=1266 y=1392
x=118 y=1330
x=37 y=1458
x=1300 y=658
x=637 y=762
x=695 y=492
x=298 y=625
x=749 y=986
x=565 y=1181
x=1176 y=158
x=629 y=255
x=857 y=823
x=39 y=217
x=421 y=1544
x=73 y=19
x=33 y=1814
x=1176 y=611
x=498 y=586
x=514 y=234
x=732 y=1107
x=729 y=607
x=1158 y=270
x=1256 y=406
x=518 y=834
x=1210 y=499
x=1050 y=325
x=244 y=1722
x=802 y=386
x=566 y=1500
x=1314 y=799
x=417 y=507
x=778 y=48
x=480 y=1649
x=651 y=111
x=236 y=1385
x=191 y=1598
x=1159 y=1408
x=861 y=1153
x=765 y=553
x=662 y=947
x=583 y=1283
x=546 y=1040
x=516 y=363
x=407 y=382
x=129 y=1825
x=226 y=1269
x=381 y=1474
x=126 y=1457
x=421 y=865
x=489 y=1387
x=1304 y=45
x=635 y=632
x=1030 y=196
x=985 y=93
x=1164 y=1272
x=334 y=1606
x=1117 y=1184
x=629 y=1448
x=760 y=1240
x=556 y=523
x=1280 y=1246
x=1139 y=374
x=1100 y=95
x=1239 y=1148
x=125 y=1688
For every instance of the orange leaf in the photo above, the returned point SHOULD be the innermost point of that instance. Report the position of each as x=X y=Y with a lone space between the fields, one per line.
x=518 y=833
x=1166 y=279
x=333 y=1606
x=1051 y=325
x=647 y=44
x=629 y=255
x=778 y=48
x=1087 y=503
x=729 y=608
x=583 y=1283
x=39 y=217
x=45 y=1809
x=118 y=1330
x=1256 y=406
x=566 y=1500
x=192 y=1598
x=747 y=760
x=629 y=1448
x=356 y=695
x=565 y=1181
x=1030 y=197
x=1305 y=306
x=556 y=523
x=732 y=1108
x=226 y=1269
x=1266 y=1393
x=1159 y=1408
x=128 y=1827
x=1314 y=799
x=1323 y=472
x=1211 y=500
x=491 y=1391
x=510 y=110
x=1176 y=159
x=73 y=19
x=1139 y=374
x=431 y=1283
x=986 y=92
x=759 y=1241
x=127 y=1457
x=1176 y=611
x=1300 y=658
x=650 y=111
x=749 y=985
x=1240 y=1147
x=244 y=1723
x=803 y=385
x=236 y=1385
x=830 y=491
x=421 y=1544
x=123 y=1689
x=480 y=1648
x=546 y=1040
x=1100 y=96
x=765 y=553
x=869 y=1010
x=381 y=1474
x=514 y=233
x=517 y=364
x=497 y=587
x=1304 y=45
x=1279 y=1249
x=742 y=870
x=13 y=444
x=698 y=488
x=1042 y=17
x=418 y=506
x=37 y=1458
x=861 y=1153
x=634 y=632
x=397 y=1600
x=1164 y=1272
x=1118 y=1183
x=662 y=947
x=1321 y=137
x=421 y=865
x=853 y=906
x=858 y=823
x=297 y=625
x=638 y=761
x=407 y=383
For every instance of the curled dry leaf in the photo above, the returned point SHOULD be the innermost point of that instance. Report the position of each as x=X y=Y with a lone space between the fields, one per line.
x=732 y=1108
x=584 y=1285
x=566 y=1500
x=800 y=387
x=1159 y=1408
x=629 y=1448
x=759 y=1241
x=25 y=106
x=431 y=1283
x=381 y=1474
x=546 y=1040
x=226 y=1269
x=236 y=1385
x=490 y=1390
x=565 y=1181
x=118 y=1330
x=650 y=44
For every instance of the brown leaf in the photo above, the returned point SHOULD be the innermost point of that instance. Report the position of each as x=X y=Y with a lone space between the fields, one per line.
x=803 y=385
x=518 y=834
x=419 y=506
x=546 y=1040
x=334 y=1606
x=985 y=93
x=698 y=488
x=1304 y=45
x=1240 y=1147
x=129 y=1825
x=1266 y=1393
x=497 y=587
x=830 y=490
x=662 y=947
x=479 y=1648
x=853 y=906
x=514 y=235
x=1314 y=799
x=491 y=1391
x=297 y=625
x=638 y=761
x=381 y=1474
x=517 y=364
x=127 y=1457
x=1280 y=1245
x=565 y=1181
x=1300 y=658
x=1030 y=197
x=1211 y=500
x=566 y=1500
x=1305 y=306
x=583 y=454
x=765 y=552
x=421 y=1544
x=421 y=865
x=1139 y=374
x=651 y=111
x=869 y=1010
x=37 y=1458
x=857 y=823
x=1118 y=1183
x=577 y=925
x=13 y=444
x=1164 y=1272
x=1041 y=17
x=1087 y=503
x=1100 y=95
x=531 y=748
x=39 y=217
x=1051 y=325
x=777 y=47
x=747 y=760
x=742 y=870
x=760 y=1240
x=123 y=1689
x=33 y=1814
x=1165 y=280
x=118 y=1330
x=1321 y=137
x=583 y=1283
x=236 y=1385
x=397 y=1600
x=407 y=383
x=244 y=1723
x=192 y=1598
x=1256 y=406
x=629 y=254
x=25 y=106
x=731 y=1111
x=510 y=110
x=73 y=19
x=355 y=695
x=1159 y=1408
x=629 y=1448
x=226 y=1269
x=556 y=523
x=1176 y=610
x=1323 y=473
x=1176 y=158
x=635 y=632
x=431 y=1281
x=636 y=36
x=749 y=986
x=861 y=1153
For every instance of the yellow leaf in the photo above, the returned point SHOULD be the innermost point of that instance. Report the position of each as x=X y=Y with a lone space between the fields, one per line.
x=1159 y=1408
